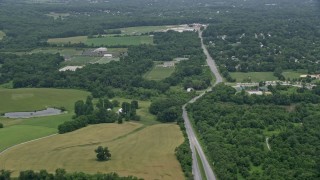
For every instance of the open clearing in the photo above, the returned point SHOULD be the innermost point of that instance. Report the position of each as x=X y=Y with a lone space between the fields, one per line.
x=121 y=40
x=254 y=76
x=58 y=15
x=2 y=34
x=264 y=76
x=105 y=41
x=159 y=73
x=31 y=99
x=146 y=152
x=143 y=29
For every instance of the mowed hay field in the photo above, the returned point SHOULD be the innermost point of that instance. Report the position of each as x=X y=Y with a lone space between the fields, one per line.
x=2 y=34
x=158 y=73
x=31 y=99
x=105 y=41
x=16 y=131
x=143 y=151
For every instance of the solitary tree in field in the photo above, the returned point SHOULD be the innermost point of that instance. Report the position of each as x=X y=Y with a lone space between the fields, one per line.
x=103 y=154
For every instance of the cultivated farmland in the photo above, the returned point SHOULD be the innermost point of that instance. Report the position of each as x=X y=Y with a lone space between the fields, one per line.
x=144 y=29
x=142 y=151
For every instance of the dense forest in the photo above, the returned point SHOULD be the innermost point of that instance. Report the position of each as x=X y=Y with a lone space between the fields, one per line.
x=266 y=39
x=253 y=139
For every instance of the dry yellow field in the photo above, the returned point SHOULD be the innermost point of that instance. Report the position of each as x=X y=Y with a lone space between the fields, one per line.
x=143 y=151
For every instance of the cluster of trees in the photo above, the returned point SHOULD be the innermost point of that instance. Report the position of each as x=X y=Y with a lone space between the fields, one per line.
x=102 y=112
x=103 y=153
x=166 y=109
x=129 y=111
x=234 y=133
x=170 y=45
x=85 y=114
x=35 y=70
x=61 y=174
x=183 y=152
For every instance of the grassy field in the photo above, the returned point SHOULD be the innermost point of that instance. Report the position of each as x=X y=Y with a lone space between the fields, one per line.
x=57 y=15
x=143 y=111
x=265 y=76
x=72 y=40
x=21 y=130
x=159 y=73
x=142 y=151
x=81 y=60
x=143 y=29
x=294 y=74
x=254 y=76
x=2 y=34
x=62 y=51
x=123 y=40
x=104 y=41
x=30 y=99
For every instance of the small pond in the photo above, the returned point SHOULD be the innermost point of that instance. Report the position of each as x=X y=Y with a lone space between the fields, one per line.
x=46 y=112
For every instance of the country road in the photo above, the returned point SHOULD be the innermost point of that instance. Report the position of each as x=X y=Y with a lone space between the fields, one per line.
x=194 y=143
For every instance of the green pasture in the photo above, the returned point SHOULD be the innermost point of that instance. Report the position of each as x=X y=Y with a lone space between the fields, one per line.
x=104 y=41
x=120 y=40
x=31 y=99
x=2 y=34
x=61 y=50
x=143 y=29
x=294 y=74
x=71 y=40
x=58 y=15
x=159 y=73
x=254 y=76
x=21 y=130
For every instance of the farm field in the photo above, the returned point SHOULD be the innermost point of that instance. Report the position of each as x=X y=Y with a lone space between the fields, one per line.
x=21 y=130
x=62 y=51
x=72 y=40
x=143 y=29
x=265 y=76
x=159 y=73
x=122 y=40
x=105 y=41
x=294 y=74
x=127 y=143
x=31 y=99
x=2 y=34
x=57 y=15
x=254 y=76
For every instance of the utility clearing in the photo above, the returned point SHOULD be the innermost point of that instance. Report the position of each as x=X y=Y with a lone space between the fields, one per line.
x=143 y=151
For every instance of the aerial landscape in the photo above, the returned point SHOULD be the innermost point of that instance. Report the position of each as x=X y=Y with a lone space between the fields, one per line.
x=159 y=89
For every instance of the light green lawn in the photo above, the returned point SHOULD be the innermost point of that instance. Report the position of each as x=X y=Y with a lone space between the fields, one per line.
x=62 y=51
x=122 y=40
x=143 y=29
x=254 y=76
x=31 y=99
x=81 y=60
x=2 y=34
x=159 y=73
x=72 y=40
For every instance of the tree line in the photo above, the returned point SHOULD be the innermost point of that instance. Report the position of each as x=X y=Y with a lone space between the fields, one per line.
x=234 y=133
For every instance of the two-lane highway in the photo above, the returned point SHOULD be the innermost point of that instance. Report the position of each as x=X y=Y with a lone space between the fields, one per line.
x=194 y=143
